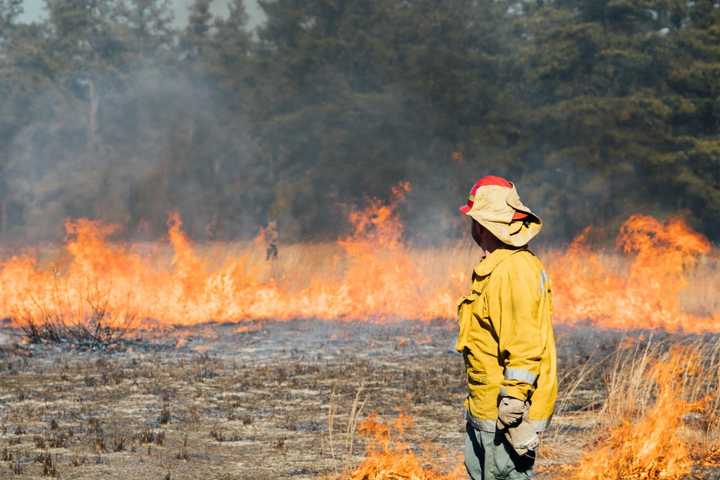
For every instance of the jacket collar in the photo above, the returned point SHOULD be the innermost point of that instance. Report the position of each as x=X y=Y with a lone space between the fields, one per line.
x=488 y=264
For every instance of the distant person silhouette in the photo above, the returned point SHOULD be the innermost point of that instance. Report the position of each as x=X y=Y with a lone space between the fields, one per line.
x=271 y=239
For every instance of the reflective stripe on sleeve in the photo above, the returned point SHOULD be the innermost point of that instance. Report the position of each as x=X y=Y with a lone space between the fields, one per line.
x=484 y=425
x=520 y=374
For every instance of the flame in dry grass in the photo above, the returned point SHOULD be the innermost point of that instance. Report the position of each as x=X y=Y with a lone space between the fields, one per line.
x=659 y=422
x=648 y=443
x=388 y=457
x=644 y=295
x=371 y=274
x=367 y=278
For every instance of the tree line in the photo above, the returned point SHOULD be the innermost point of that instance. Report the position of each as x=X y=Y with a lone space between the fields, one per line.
x=110 y=109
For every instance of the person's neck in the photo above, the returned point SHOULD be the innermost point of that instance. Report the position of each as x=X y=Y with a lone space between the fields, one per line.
x=491 y=247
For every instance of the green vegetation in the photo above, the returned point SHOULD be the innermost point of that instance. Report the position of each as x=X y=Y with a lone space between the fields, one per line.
x=597 y=108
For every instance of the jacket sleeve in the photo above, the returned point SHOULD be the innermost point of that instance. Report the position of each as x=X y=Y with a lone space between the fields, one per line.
x=512 y=308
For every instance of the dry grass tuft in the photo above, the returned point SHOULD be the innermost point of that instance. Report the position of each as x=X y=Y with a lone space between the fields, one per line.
x=94 y=329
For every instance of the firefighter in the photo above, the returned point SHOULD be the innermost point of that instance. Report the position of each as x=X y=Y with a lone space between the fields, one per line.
x=506 y=337
x=271 y=239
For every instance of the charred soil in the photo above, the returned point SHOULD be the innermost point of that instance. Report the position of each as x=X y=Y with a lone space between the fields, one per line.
x=262 y=400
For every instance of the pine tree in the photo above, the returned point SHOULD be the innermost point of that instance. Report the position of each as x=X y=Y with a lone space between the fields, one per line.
x=86 y=52
x=146 y=25
x=692 y=166
x=598 y=110
x=358 y=88
x=233 y=39
x=10 y=10
x=196 y=39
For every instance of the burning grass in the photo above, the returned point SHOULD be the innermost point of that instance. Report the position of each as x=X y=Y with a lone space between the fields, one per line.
x=389 y=457
x=662 y=275
x=661 y=416
x=660 y=420
x=359 y=280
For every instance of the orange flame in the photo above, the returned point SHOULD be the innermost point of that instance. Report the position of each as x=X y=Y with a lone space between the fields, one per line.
x=653 y=446
x=368 y=280
x=388 y=456
x=646 y=295
x=371 y=274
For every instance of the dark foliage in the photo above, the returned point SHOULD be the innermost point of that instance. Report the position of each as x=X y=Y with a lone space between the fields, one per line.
x=596 y=109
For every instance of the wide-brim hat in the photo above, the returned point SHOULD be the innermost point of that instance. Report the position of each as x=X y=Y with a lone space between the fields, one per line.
x=495 y=204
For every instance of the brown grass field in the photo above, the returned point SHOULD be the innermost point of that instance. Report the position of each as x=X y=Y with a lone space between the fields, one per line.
x=276 y=400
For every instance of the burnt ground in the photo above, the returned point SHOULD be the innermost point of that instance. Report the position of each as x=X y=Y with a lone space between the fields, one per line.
x=265 y=400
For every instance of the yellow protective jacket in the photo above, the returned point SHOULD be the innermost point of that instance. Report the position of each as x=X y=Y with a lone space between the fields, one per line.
x=506 y=338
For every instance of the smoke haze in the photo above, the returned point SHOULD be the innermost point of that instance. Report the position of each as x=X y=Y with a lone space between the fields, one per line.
x=128 y=111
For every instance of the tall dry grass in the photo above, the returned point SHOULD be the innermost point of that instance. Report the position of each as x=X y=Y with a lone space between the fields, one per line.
x=661 y=415
x=632 y=389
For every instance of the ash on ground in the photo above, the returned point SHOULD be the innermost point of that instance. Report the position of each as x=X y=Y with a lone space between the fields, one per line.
x=256 y=400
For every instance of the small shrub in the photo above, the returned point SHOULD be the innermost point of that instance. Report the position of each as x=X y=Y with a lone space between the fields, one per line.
x=100 y=445
x=222 y=436
x=164 y=415
x=39 y=442
x=148 y=436
x=183 y=453
x=58 y=440
x=48 y=463
x=217 y=435
x=119 y=444
x=17 y=467
x=94 y=332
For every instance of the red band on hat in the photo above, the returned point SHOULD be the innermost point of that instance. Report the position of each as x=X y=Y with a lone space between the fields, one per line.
x=491 y=180
x=483 y=182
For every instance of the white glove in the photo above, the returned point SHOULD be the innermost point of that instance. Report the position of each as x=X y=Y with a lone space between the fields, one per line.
x=510 y=412
x=523 y=438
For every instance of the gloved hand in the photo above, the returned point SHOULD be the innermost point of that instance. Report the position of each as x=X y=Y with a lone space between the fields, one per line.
x=510 y=412
x=523 y=438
